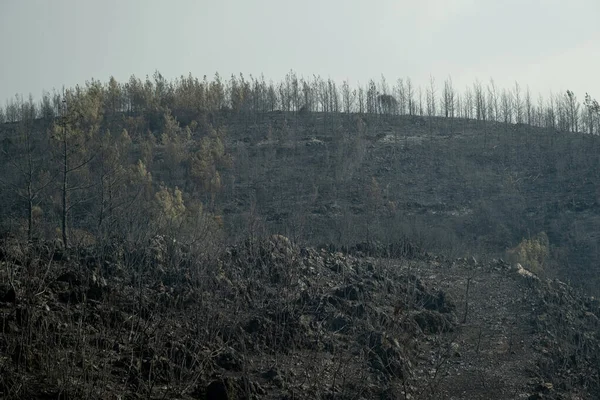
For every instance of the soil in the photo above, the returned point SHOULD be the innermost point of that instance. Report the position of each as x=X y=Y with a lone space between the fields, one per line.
x=270 y=319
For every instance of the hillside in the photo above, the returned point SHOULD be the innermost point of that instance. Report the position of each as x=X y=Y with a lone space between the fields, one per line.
x=164 y=240
x=460 y=187
x=457 y=187
x=270 y=319
x=484 y=172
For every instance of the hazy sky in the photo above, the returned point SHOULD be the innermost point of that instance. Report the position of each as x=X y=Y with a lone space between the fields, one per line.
x=546 y=44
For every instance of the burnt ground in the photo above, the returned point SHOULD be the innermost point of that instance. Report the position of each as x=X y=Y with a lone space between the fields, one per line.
x=273 y=320
x=454 y=187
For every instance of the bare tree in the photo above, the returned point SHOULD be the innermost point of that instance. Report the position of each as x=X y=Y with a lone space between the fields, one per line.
x=284 y=97
x=448 y=98
x=468 y=104
x=431 y=96
x=458 y=105
x=108 y=169
x=592 y=110
x=334 y=96
x=361 y=100
x=371 y=97
x=294 y=88
x=387 y=103
x=272 y=99
x=480 y=107
x=518 y=104
x=562 y=113
x=46 y=111
x=528 y=107
x=540 y=111
x=572 y=109
x=347 y=98
x=308 y=96
x=28 y=159
x=550 y=114
x=323 y=95
x=384 y=86
x=12 y=110
x=493 y=105
x=79 y=122
x=400 y=96
x=259 y=95
x=421 y=109
x=506 y=107
x=410 y=93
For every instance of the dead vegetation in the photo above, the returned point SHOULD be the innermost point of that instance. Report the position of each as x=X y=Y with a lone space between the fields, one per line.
x=270 y=319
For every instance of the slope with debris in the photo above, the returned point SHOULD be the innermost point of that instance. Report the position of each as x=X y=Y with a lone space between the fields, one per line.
x=270 y=319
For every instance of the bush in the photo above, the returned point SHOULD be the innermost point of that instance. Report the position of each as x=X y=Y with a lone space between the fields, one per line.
x=532 y=253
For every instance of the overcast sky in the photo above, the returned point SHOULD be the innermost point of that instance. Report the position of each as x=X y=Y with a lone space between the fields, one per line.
x=550 y=45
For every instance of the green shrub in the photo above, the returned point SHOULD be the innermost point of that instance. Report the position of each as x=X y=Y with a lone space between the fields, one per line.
x=532 y=253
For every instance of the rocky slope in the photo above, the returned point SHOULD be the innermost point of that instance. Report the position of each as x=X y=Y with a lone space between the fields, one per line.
x=270 y=319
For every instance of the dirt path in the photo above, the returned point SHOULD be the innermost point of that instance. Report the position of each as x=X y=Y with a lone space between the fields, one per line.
x=492 y=355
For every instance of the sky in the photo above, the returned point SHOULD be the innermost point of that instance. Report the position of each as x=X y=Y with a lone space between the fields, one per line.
x=546 y=45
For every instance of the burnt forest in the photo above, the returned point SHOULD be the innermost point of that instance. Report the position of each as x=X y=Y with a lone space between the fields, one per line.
x=241 y=238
